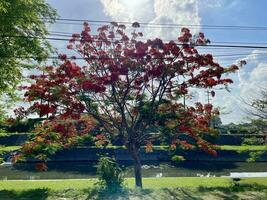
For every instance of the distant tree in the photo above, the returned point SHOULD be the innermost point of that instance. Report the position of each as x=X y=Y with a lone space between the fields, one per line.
x=216 y=122
x=22 y=32
x=127 y=88
x=257 y=107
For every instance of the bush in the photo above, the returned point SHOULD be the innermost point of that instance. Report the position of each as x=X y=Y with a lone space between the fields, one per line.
x=86 y=140
x=254 y=156
x=177 y=158
x=109 y=174
x=3 y=133
x=20 y=126
x=253 y=141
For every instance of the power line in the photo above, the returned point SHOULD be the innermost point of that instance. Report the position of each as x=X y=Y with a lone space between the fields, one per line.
x=210 y=45
x=172 y=27
x=83 y=58
x=70 y=21
x=69 y=35
x=165 y=24
x=231 y=55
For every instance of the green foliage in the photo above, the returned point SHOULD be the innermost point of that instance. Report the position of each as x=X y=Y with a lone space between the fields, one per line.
x=253 y=141
x=5 y=150
x=109 y=174
x=177 y=158
x=255 y=126
x=254 y=156
x=86 y=140
x=3 y=133
x=22 y=26
x=20 y=126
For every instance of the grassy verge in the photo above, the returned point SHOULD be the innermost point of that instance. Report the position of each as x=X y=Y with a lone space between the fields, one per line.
x=149 y=183
x=8 y=148
x=154 y=188
x=244 y=147
x=164 y=147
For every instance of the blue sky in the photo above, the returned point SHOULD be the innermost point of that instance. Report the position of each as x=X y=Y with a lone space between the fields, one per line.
x=191 y=12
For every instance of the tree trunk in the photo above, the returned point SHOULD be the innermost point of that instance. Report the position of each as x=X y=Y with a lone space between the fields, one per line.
x=137 y=165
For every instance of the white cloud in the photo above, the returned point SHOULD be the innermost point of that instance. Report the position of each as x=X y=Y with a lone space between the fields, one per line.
x=125 y=10
x=247 y=83
x=259 y=73
x=183 y=12
x=254 y=75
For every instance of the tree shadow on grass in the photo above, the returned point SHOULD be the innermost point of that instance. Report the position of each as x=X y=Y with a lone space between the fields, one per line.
x=33 y=194
x=235 y=187
x=179 y=194
x=119 y=194
x=230 y=193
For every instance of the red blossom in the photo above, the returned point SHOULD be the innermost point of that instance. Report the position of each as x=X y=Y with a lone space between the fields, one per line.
x=62 y=56
x=41 y=167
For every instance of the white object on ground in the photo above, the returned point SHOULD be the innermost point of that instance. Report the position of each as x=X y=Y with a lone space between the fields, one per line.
x=247 y=174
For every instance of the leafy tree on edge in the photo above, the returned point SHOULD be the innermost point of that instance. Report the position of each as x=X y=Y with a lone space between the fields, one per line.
x=22 y=28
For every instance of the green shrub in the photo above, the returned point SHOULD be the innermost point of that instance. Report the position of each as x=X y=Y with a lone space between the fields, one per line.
x=253 y=141
x=86 y=140
x=109 y=174
x=177 y=158
x=3 y=133
x=20 y=126
x=254 y=156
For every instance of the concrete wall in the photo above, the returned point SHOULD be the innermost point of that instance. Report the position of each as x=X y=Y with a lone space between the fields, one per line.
x=92 y=154
x=19 y=139
x=13 y=140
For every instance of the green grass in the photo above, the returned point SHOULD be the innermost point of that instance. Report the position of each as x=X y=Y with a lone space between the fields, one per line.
x=223 y=147
x=244 y=147
x=6 y=149
x=164 y=147
x=149 y=183
x=154 y=188
x=9 y=148
x=50 y=184
x=6 y=134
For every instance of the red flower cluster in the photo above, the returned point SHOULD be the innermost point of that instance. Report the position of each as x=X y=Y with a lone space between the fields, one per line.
x=54 y=135
x=88 y=85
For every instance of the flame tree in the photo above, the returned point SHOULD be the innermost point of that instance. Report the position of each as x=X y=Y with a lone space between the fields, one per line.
x=128 y=86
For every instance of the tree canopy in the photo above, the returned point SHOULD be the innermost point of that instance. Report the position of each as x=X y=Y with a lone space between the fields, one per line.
x=127 y=87
x=22 y=28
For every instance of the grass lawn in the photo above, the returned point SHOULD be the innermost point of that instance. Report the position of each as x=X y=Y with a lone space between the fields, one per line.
x=149 y=183
x=154 y=188
x=8 y=148
x=244 y=147
x=158 y=147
